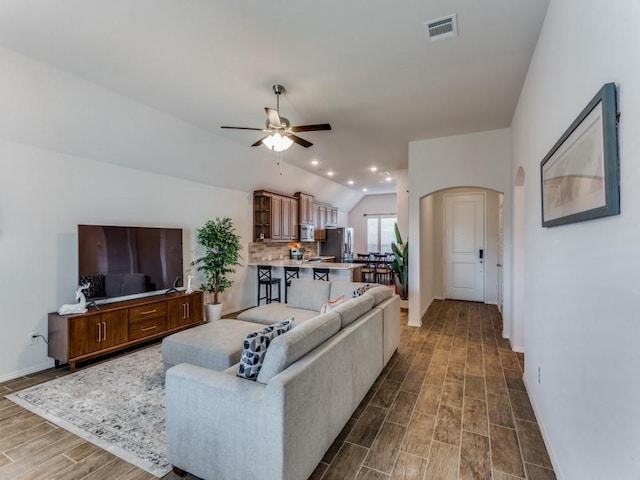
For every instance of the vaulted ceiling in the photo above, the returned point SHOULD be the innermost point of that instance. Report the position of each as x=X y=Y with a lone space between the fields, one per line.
x=366 y=67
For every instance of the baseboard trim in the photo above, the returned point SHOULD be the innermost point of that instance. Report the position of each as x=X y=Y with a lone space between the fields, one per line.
x=26 y=371
x=543 y=431
x=518 y=349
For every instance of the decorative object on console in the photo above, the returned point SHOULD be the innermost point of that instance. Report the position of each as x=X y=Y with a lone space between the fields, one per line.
x=190 y=288
x=221 y=253
x=80 y=307
x=255 y=347
x=400 y=265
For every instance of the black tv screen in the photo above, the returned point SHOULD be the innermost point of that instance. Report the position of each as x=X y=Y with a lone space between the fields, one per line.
x=122 y=261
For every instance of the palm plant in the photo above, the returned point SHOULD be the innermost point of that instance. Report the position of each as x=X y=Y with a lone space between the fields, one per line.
x=221 y=253
x=400 y=264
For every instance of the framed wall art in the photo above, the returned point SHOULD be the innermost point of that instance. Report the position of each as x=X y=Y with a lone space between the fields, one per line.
x=580 y=174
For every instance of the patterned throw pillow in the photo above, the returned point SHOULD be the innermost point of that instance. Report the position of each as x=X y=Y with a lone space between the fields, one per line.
x=360 y=290
x=331 y=304
x=255 y=347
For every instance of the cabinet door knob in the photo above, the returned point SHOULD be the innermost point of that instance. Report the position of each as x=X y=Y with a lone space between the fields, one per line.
x=99 y=332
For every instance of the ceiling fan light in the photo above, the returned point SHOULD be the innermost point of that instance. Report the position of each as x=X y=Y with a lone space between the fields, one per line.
x=277 y=142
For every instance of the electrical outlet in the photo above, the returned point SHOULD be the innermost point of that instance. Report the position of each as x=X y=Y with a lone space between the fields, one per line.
x=538 y=374
x=33 y=338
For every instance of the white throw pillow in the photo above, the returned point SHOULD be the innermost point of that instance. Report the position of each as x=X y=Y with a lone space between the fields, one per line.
x=331 y=304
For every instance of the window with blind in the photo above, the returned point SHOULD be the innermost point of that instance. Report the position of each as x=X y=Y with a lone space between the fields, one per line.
x=380 y=233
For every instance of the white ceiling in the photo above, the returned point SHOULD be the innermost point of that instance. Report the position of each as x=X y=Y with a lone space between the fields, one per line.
x=366 y=67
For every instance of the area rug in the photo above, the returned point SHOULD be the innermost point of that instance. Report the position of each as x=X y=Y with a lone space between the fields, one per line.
x=117 y=405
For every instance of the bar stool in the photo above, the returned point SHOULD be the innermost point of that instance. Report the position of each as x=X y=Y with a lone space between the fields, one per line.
x=289 y=274
x=265 y=278
x=321 y=274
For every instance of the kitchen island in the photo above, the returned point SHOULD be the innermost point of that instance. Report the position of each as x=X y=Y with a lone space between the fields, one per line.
x=349 y=272
x=337 y=271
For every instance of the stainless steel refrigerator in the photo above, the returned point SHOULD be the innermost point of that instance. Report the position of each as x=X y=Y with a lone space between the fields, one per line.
x=338 y=243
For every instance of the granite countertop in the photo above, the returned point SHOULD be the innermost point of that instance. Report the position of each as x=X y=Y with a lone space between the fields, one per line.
x=306 y=264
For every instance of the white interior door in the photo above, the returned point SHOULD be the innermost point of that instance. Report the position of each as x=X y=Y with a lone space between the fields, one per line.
x=464 y=246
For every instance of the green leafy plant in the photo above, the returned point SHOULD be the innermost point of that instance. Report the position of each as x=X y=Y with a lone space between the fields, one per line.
x=401 y=263
x=221 y=253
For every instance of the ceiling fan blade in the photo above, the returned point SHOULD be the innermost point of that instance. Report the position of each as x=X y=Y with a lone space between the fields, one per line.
x=259 y=142
x=311 y=128
x=244 y=128
x=274 y=117
x=299 y=141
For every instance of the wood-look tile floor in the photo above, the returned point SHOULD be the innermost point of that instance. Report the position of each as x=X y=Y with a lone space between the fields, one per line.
x=450 y=404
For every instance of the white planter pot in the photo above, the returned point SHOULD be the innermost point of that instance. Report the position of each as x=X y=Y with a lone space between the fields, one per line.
x=404 y=304
x=212 y=311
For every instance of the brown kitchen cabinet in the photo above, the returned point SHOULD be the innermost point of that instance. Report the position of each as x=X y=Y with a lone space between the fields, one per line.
x=119 y=325
x=275 y=216
x=305 y=208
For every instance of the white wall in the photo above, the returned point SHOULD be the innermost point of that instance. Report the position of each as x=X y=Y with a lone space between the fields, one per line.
x=369 y=204
x=474 y=160
x=402 y=202
x=43 y=198
x=430 y=217
x=582 y=291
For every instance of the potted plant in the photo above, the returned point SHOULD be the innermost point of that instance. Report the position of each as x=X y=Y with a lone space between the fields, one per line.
x=221 y=253
x=400 y=265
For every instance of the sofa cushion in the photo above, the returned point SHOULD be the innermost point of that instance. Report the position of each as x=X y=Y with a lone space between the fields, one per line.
x=276 y=312
x=308 y=294
x=255 y=348
x=341 y=287
x=379 y=294
x=353 y=309
x=296 y=343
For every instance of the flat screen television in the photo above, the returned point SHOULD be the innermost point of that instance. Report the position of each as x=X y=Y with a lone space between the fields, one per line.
x=125 y=261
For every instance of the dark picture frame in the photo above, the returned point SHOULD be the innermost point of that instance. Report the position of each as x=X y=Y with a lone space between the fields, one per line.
x=580 y=176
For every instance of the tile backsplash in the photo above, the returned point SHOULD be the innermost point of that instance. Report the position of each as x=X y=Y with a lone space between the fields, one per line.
x=259 y=251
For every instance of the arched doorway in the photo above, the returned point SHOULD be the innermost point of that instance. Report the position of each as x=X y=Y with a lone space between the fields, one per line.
x=433 y=243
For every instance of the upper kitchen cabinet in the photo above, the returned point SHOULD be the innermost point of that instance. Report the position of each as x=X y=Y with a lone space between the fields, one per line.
x=275 y=217
x=305 y=208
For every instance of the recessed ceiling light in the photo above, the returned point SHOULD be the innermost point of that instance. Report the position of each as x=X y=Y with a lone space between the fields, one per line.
x=374 y=169
x=314 y=162
x=350 y=182
x=330 y=173
x=388 y=179
x=365 y=189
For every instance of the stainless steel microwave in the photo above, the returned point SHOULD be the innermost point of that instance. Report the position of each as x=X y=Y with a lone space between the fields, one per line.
x=306 y=233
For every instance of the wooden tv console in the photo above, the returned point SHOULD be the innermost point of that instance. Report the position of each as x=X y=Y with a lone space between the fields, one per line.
x=119 y=325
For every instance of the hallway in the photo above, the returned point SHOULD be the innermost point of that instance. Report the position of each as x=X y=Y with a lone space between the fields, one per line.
x=450 y=404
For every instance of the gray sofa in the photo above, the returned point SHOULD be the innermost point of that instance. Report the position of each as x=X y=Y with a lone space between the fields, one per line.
x=220 y=426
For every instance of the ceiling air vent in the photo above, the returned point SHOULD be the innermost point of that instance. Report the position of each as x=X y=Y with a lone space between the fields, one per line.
x=442 y=28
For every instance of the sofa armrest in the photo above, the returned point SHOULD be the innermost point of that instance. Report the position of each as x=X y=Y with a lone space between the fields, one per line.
x=211 y=416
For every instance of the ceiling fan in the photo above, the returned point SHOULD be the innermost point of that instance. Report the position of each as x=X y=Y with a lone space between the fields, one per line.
x=280 y=132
